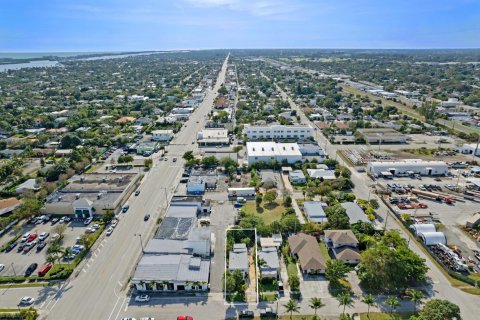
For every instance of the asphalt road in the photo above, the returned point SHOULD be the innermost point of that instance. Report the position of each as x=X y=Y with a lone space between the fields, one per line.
x=97 y=290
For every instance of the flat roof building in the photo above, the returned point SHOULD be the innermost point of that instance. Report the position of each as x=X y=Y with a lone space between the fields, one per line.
x=277 y=131
x=213 y=136
x=408 y=167
x=162 y=135
x=382 y=135
x=272 y=151
x=92 y=194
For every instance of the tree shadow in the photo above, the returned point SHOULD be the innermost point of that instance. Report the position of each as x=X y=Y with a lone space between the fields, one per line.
x=259 y=210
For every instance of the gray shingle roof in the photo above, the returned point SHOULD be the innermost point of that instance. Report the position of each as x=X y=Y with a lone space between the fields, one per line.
x=354 y=212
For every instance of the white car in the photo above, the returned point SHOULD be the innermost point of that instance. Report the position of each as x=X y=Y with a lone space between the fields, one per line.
x=25 y=236
x=2 y=266
x=90 y=230
x=43 y=236
x=114 y=223
x=96 y=226
x=142 y=298
x=109 y=231
x=27 y=301
x=87 y=221
x=64 y=219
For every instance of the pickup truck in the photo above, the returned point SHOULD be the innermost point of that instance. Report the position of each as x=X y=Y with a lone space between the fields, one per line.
x=267 y=312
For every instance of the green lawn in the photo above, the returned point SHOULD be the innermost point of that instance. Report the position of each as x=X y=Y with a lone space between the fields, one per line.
x=291 y=268
x=269 y=212
x=23 y=285
x=385 y=316
x=324 y=250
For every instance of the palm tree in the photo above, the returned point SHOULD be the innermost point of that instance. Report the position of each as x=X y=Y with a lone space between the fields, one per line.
x=393 y=303
x=292 y=306
x=416 y=296
x=369 y=300
x=316 y=303
x=345 y=300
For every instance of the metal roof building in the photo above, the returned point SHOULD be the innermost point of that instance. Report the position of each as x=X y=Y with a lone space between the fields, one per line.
x=354 y=212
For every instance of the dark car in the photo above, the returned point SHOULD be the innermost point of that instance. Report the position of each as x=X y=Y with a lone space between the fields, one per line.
x=137 y=192
x=20 y=247
x=30 y=269
x=41 y=245
x=246 y=314
x=10 y=246
x=146 y=217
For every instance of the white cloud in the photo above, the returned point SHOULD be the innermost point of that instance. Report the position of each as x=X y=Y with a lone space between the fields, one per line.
x=262 y=8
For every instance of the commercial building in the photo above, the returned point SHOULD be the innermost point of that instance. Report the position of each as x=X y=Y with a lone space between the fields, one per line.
x=162 y=135
x=408 y=167
x=29 y=185
x=277 y=131
x=9 y=205
x=178 y=256
x=211 y=137
x=272 y=151
x=324 y=174
x=147 y=148
x=381 y=135
x=92 y=194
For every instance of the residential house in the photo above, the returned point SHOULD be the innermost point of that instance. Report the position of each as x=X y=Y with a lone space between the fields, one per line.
x=297 y=177
x=28 y=185
x=343 y=244
x=307 y=250
x=269 y=262
x=354 y=212
x=238 y=259
x=314 y=211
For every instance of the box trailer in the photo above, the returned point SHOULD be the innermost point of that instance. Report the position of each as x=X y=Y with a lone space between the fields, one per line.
x=241 y=192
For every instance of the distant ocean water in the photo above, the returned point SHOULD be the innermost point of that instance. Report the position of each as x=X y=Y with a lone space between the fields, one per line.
x=31 y=55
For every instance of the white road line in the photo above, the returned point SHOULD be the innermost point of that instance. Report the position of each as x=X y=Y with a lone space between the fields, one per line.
x=54 y=304
x=41 y=306
x=113 y=309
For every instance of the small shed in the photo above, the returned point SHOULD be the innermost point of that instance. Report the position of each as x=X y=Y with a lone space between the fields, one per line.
x=432 y=238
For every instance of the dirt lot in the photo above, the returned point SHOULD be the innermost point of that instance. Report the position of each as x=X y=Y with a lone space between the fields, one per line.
x=22 y=260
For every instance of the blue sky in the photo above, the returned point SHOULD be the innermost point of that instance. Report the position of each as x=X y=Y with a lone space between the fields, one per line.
x=118 y=25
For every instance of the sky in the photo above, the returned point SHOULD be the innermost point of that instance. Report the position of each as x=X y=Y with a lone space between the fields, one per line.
x=136 y=25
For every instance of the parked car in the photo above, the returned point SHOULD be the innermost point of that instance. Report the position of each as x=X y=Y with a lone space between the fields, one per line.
x=174 y=159
x=29 y=246
x=21 y=246
x=109 y=231
x=146 y=217
x=25 y=236
x=87 y=221
x=54 y=221
x=184 y=318
x=246 y=314
x=32 y=237
x=142 y=298
x=125 y=208
x=137 y=192
x=27 y=301
x=2 y=266
x=41 y=245
x=11 y=246
x=114 y=223
x=43 y=236
x=267 y=312
x=30 y=269
x=65 y=219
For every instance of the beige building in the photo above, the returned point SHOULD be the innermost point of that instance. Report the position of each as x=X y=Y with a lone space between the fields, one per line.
x=92 y=194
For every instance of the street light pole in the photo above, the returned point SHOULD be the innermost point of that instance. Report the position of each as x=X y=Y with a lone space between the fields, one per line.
x=13 y=268
x=141 y=242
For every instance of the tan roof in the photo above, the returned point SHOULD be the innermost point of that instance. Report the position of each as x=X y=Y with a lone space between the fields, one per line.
x=7 y=205
x=347 y=253
x=341 y=236
x=125 y=119
x=308 y=251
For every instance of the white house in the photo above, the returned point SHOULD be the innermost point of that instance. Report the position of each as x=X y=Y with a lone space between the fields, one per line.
x=276 y=131
x=162 y=135
x=213 y=136
x=238 y=258
x=269 y=151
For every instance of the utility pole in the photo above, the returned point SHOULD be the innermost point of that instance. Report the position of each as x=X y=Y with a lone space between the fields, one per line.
x=141 y=242
x=13 y=268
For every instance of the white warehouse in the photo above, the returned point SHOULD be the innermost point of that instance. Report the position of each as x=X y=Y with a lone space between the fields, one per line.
x=268 y=151
x=408 y=167
x=277 y=131
x=162 y=135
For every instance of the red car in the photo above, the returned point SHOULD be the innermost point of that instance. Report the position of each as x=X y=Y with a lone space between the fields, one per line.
x=184 y=318
x=32 y=237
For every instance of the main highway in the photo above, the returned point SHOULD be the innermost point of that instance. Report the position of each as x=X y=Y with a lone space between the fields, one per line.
x=98 y=288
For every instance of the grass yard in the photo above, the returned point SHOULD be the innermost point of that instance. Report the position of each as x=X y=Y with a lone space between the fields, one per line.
x=385 y=316
x=324 y=250
x=268 y=212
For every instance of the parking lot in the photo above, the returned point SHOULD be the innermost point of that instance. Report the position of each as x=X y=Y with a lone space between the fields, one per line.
x=450 y=218
x=16 y=262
